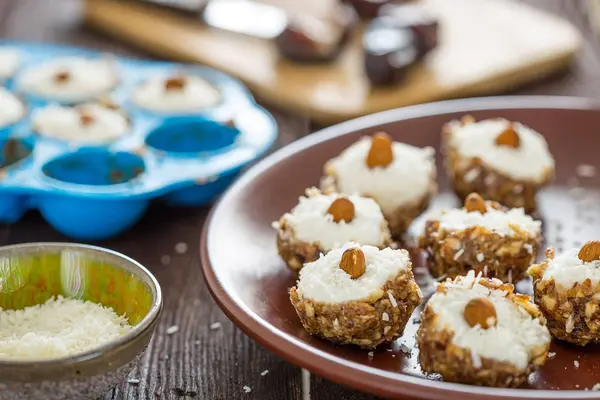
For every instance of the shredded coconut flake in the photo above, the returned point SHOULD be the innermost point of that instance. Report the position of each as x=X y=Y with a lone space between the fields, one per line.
x=215 y=325
x=551 y=355
x=576 y=363
x=476 y=360
x=480 y=257
x=133 y=381
x=458 y=254
x=586 y=170
x=172 y=330
x=385 y=317
x=596 y=387
x=58 y=328
x=181 y=248
x=264 y=373
x=392 y=299
x=247 y=389
x=471 y=175
x=370 y=354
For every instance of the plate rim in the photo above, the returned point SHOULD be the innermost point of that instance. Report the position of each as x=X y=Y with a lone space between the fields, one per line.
x=332 y=367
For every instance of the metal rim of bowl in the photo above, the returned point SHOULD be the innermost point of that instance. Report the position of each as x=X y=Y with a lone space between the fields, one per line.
x=145 y=324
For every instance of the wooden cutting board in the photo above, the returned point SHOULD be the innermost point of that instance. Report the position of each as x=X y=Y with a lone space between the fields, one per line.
x=486 y=47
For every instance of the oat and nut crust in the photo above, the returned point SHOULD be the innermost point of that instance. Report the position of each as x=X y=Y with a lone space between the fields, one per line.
x=437 y=353
x=506 y=257
x=361 y=322
x=473 y=175
x=573 y=314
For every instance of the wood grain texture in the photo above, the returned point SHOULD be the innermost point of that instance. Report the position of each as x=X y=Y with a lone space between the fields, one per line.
x=476 y=55
x=198 y=362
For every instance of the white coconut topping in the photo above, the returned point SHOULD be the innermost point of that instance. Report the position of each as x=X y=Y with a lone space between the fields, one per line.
x=407 y=179
x=9 y=62
x=567 y=269
x=196 y=95
x=11 y=108
x=511 y=340
x=497 y=221
x=312 y=224
x=83 y=79
x=66 y=123
x=323 y=280
x=530 y=161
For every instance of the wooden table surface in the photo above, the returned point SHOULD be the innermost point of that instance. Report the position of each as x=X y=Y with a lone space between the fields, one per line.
x=197 y=361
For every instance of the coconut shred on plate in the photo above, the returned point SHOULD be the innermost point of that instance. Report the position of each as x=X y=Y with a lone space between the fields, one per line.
x=58 y=328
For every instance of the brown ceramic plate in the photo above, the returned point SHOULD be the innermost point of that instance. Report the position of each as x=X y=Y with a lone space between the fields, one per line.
x=250 y=282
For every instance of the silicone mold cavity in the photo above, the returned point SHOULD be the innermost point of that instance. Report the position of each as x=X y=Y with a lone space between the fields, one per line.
x=95 y=167
x=186 y=135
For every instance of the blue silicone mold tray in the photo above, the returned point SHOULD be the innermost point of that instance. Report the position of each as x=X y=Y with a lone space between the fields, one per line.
x=95 y=192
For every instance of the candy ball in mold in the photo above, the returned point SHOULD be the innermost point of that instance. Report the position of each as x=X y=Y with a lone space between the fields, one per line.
x=90 y=123
x=69 y=79
x=12 y=109
x=9 y=61
x=177 y=94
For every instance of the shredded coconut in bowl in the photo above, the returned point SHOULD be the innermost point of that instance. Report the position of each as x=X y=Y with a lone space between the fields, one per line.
x=58 y=328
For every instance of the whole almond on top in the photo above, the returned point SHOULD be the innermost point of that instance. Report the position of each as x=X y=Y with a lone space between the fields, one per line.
x=62 y=76
x=85 y=118
x=509 y=137
x=353 y=262
x=474 y=202
x=342 y=209
x=380 y=154
x=175 y=83
x=480 y=311
x=590 y=251
x=467 y=120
